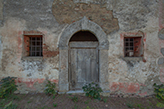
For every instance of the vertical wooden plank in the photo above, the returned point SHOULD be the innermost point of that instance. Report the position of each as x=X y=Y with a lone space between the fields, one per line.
x=83 y=67
x=88 y=67
x=73 y=68
x=69 y=65
x=93 y=65
x=70 y=68
x=97 y=65
x=85 y=64
x=79 y=65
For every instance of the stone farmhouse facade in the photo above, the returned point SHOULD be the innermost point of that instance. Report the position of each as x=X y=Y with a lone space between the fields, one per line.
x=118 y=44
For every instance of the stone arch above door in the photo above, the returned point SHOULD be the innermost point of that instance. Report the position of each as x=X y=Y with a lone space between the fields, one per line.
x=83 y=25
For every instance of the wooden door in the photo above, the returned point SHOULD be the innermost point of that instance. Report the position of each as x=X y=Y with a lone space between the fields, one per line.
x=83 y=64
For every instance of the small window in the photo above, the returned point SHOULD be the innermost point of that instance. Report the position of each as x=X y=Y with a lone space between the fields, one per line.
x=33 y=45
x=132 y=46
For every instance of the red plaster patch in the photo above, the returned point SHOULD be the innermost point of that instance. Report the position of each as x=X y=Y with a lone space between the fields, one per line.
x=142 y=85
x=54 y=80
x=103 y=18
x=121 y=40
x=161 y=42
x=162 y=79
x=41 y=80
x=144 y=60
x=161 y=72
x=145 y=35
x=19 y=50
x=30 y=84
x=18 y=80
x=45 y=33
x=20 y=33
x=32 y=32
x=30 y=81
x=19 y=42
x=125 y=87
x=143 y=94
x=49 y=53
x=121 y=86
x=133 y=88
x=114 y=86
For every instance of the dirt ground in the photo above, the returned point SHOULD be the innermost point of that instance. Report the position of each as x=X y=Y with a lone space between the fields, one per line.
x=64 y=101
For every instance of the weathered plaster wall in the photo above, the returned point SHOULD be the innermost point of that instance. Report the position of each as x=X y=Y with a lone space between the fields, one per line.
x=161 y=13
x=132 y=76
x=161 y=40
x=1 y=9
x=20 y=16
x=118 y=17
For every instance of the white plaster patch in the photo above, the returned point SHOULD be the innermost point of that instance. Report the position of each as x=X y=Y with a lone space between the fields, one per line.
x=115 y=48
x=152 y=51
x=54 y=74
x=152 y=24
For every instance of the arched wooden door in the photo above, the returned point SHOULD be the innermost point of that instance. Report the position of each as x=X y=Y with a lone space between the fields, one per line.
x=83 y=63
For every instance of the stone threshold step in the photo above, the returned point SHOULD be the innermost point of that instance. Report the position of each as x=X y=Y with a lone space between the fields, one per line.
x=78 y=92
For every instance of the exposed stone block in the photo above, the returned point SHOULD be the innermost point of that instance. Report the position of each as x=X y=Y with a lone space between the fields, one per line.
x=49 y=53
x=69 y=12
x=162 y=51
x=161 y=34
x=161 y=61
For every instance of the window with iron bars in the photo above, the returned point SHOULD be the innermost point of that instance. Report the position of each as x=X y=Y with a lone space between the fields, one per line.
x=33 y=45
x=132 y=46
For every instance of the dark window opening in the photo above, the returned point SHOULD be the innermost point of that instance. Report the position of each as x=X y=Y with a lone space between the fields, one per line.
x=132 y=46
x=34 y=45
x=83 y=36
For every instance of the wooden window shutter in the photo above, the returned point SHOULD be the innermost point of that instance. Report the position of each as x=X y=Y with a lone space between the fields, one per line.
x=137 y=46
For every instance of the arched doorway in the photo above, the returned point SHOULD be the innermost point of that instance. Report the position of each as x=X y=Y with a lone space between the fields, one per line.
x=83 y=60
x=64 y=46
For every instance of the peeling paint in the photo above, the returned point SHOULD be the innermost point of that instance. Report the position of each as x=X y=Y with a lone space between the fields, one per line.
x=30 y=83
x=125 y=87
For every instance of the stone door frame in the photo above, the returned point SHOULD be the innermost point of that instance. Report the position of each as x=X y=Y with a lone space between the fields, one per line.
x=83 y=25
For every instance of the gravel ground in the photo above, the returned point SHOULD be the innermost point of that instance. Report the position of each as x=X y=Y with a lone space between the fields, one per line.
x=65 y=101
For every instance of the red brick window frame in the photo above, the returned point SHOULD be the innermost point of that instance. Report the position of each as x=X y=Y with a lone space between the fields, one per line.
x=133 y=46
x=33 y=44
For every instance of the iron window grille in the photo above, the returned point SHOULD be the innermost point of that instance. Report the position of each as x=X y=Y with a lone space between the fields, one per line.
x=132 y=46
x=35 y=46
